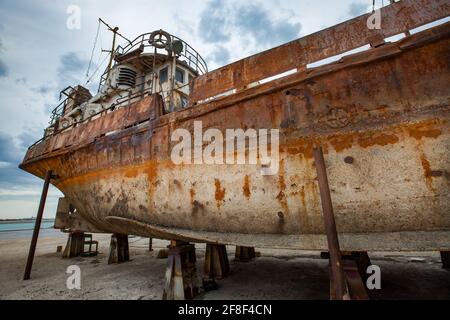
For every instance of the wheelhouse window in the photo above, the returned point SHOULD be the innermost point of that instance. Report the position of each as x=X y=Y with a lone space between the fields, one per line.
x=184 y=102
x=164 y=75
x=179 y=75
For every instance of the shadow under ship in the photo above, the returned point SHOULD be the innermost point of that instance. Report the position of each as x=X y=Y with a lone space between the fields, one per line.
x=380 y=112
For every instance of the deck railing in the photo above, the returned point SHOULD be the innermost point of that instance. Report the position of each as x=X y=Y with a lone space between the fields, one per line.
x=188 y=55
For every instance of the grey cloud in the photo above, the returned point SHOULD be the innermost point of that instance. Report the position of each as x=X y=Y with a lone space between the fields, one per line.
x=8 y=151
x=11 y=177
x=71 y=62
x=357 y=8
x=44 y=89
x=213 y=22
x=21 y=80
x=220 y=20
x=4 y=70
x=12 y=153
x=255 y=20
x=71 y=70
x=29 y=136
x=221 y=55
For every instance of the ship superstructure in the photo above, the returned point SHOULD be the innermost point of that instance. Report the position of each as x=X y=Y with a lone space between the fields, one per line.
x=153 y=63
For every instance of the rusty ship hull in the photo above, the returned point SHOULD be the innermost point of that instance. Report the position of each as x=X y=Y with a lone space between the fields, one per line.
x=382 y=117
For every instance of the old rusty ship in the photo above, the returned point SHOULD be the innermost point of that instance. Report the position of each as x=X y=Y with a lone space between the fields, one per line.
x=379 y=107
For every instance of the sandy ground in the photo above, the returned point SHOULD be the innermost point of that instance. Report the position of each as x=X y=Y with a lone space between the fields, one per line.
x=277 y=274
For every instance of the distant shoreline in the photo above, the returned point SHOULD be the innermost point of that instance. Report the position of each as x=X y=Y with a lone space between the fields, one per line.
x=12 y=227
x=42 y=228
x=29 y=220
x=26 y=234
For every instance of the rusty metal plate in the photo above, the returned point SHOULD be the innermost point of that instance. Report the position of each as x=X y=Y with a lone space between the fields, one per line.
x=87 y=132
x=396 y=18
x=160 y=143
x=139 y=112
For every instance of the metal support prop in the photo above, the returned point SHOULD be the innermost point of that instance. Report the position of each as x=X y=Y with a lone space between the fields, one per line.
x=181 y=274
x=37 y=226
x=118 y=249
x=339 y=283
x=75 y=245
x=445 y=257
x=150 y=244
x=244 y=254
x=216 y=264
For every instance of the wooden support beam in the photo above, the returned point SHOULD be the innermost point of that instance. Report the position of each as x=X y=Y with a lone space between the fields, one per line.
x=181 y=275
x=75 y=245
x=245 y=254
x=361 y=258
x=216 y=264
x=37 y=226
x=118 y=249
x=363 y=262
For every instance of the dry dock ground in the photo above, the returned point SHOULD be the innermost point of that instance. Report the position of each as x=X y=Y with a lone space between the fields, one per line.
x=277 y=274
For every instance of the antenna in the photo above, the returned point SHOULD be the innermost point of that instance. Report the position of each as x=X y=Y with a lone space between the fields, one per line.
x=93 y=50
x=112 y=29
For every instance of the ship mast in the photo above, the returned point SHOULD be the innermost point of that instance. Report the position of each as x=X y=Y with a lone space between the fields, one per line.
x=116 y=33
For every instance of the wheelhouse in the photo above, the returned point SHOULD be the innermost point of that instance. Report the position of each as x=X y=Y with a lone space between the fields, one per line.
x=155 y=62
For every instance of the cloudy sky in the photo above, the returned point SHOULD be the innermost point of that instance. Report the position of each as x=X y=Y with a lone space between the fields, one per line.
x=40 y=55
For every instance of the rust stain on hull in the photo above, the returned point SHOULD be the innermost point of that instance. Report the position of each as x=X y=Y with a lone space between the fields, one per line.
x=219 y=193
x=341 y=142
x=246 y=187
x=344 y=141
x=281 y=197
x=424 y=130
x=192 y=194
x=426 y=170
x=378 y=140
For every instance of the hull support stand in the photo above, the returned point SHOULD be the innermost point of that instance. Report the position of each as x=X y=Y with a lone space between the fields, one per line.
x=345 y=278
x=245 y=254
x=216 y=264
x=181 y=275
x=445 y=257
x=75 y=245
x=118 y=249
x=37 y=225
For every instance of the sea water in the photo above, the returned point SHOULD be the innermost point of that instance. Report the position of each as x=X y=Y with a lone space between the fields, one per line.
x=23 y=226
x=24 y=230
